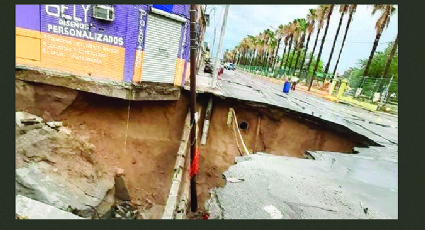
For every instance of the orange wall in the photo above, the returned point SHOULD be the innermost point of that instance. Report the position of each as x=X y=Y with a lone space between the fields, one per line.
x=138 y=63
x=179 y=72
x=73 y=55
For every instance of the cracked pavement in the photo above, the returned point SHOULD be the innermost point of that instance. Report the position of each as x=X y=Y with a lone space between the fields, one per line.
x=333 y=186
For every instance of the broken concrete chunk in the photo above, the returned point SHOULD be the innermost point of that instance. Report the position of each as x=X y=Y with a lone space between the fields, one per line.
x=28 y=208
x=242 y=159
x=35 y=181
x=25 y=128
x=65 y=130
x=24 y=118
x=234 y=180
x=308 y=155
x=54 y=124
x=30 y=121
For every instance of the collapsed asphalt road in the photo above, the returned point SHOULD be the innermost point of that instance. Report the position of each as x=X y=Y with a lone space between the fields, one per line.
x=378 y=126
x=334 y=185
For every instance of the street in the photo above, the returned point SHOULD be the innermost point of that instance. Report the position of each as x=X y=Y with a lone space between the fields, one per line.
x=334 y=185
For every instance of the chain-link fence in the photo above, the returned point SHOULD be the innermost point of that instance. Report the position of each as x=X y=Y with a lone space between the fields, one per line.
x=380 y=92
x=375 y=90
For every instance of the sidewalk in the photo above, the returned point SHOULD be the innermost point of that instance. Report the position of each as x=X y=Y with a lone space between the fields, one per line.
x=203 y=84
x=313 y=91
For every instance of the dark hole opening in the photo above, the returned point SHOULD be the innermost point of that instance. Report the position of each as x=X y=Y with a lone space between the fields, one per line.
x=243 y=125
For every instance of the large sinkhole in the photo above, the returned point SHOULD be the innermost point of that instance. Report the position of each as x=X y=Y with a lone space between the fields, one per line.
x=264 y=129
x=144 y=140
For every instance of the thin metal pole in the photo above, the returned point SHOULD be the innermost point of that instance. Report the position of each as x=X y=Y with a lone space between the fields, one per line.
x=192 y=104
x=220 y=44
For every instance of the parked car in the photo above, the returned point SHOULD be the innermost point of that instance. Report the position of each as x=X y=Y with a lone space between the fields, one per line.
x=229 y=66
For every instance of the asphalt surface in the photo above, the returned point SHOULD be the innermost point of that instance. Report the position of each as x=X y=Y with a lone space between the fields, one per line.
x=334 y=185
x=378 y=126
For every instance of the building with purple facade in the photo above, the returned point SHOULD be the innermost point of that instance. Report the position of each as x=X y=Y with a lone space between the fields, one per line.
x=122 y=43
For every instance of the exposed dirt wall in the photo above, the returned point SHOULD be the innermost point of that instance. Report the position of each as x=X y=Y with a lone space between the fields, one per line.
x=154 y=132
x=279 y=134
x=46 y=101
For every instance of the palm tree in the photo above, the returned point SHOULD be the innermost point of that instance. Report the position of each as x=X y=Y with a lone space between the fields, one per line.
x=259 y=47
x=311 y=20
x=229 y=55
x=237 y=54
x=342 y=9
x=279 y=36
x=303 y=30
x=383 y=22
x=291 y=30
x=296 y=33
x=286 y=41
x=242 y=47
x=319 y=17
x=251 y=48
x=269 y=45
x=351 y=9
x=390 y=58
x=328 y=9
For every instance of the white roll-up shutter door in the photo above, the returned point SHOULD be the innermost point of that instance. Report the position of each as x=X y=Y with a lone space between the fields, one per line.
x=161 y=48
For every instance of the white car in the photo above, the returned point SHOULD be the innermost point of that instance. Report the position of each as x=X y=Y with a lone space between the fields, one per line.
x=229 y=66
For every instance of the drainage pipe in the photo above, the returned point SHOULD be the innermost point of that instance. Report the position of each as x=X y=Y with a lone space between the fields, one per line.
x=207 y=121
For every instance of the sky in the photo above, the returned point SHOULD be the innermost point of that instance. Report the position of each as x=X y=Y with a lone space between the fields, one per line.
x=243 y=20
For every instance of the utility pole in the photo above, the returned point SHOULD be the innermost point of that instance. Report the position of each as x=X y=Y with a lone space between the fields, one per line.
x=215 y=27
x=220 y=44
x=192 y=104
x=212 y=48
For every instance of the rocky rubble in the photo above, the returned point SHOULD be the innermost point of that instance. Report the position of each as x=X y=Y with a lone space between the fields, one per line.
x=59 y=169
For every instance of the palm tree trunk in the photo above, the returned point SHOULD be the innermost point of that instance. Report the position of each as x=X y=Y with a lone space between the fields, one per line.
x=275 y=54
x=265 y=59
x=289 y=53
x=390 y=58
x=283 y=55
x=375 y=45
x=312 y=52
x=296 y=61
x=252 y=57
x=293 y=54
x=333 y=45
x=305 y=54
x=321 y=46
x=372 y=53
x=343 y=41
x=270 y=60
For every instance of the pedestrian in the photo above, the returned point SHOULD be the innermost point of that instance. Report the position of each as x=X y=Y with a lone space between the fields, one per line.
x=220 y=72
x=294 y=84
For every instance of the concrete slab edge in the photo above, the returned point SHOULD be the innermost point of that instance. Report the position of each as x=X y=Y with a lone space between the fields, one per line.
x=146 y=91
